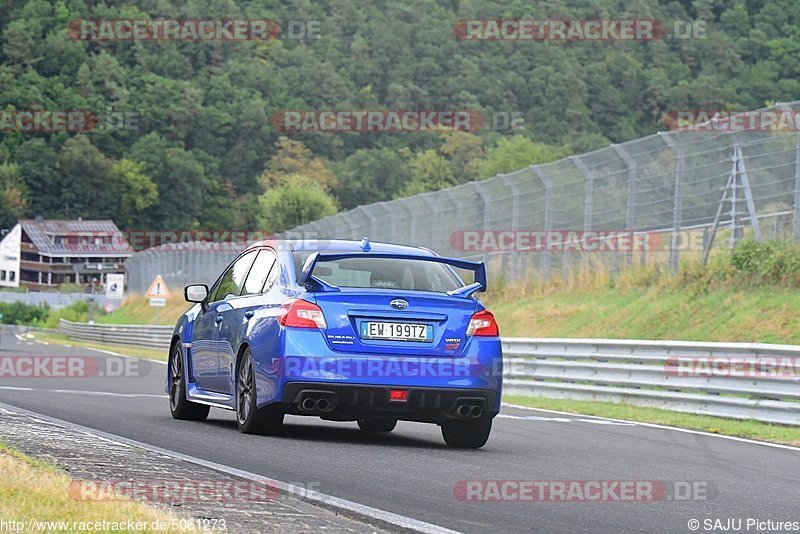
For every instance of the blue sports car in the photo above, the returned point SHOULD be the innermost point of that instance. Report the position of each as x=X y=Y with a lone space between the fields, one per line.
x=342 y=330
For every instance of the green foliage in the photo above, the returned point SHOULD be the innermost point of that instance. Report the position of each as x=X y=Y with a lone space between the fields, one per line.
x=514 y=153
x=77 y=312
x=20 y=313
x=203 y=131
x=774 y=263
x=298 y=200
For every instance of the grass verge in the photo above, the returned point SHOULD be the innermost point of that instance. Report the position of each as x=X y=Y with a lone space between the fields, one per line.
x=137 y=352
x=756 y=430
x=37 y=495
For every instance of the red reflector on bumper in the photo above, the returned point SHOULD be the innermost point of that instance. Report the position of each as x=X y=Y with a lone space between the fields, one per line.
x=400 y=395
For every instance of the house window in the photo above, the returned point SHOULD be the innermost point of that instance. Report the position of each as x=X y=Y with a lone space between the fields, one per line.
x=2 y=276
x=12 y=276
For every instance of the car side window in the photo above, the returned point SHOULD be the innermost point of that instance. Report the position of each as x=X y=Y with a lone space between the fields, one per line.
x=232 y=281
x=258 y=273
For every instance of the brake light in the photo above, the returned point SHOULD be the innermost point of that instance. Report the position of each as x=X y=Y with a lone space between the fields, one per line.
x=483 y=324
x=299 y=313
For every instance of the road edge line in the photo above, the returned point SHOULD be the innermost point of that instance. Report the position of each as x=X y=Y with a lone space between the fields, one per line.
x=662 y=427
x=360 y=512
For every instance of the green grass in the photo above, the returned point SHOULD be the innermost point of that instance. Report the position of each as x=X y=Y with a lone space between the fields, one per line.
x=34 y=490
x=717 y=425
x=137 y=352
x=137 y=310
x=758 y=315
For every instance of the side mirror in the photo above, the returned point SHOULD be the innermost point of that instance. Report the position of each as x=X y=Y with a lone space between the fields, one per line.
x=195 y=293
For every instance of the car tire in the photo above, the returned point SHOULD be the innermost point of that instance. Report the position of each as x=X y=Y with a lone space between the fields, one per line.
x=249 y=418
x=472 y=434
x=180 y=407
x=382 y=424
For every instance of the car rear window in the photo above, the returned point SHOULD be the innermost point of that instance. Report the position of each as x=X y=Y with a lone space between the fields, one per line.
x=383 y=273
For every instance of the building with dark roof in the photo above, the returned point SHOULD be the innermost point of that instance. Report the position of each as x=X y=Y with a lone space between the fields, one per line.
x=41 y=254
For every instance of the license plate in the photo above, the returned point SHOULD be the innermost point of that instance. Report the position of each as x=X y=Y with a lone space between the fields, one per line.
x=396 y=331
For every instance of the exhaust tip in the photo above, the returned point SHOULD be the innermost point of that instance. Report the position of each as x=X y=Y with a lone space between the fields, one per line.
x=463 y=411
x=307 y=404
x=323 y=404
x=476 y=411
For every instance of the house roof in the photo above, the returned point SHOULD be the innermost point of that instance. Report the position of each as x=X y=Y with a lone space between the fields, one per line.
x=83 y=234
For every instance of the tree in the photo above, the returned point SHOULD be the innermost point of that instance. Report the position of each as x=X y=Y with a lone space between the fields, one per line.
x=13 y=203
x=135 y=192
x=297 y=200
x=517 y=152
x=429 y=172
x=87 y=170
x=369 y=175
x=293 y=157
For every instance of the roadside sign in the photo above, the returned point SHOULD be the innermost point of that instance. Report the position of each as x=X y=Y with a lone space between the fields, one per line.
x=115 y=286
x=158 y=302
x=158 y=289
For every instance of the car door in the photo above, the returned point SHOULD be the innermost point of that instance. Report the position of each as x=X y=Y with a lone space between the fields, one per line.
x=205 y=338
x=235 y=318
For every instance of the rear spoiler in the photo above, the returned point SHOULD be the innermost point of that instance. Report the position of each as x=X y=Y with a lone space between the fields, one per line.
x=478 y=267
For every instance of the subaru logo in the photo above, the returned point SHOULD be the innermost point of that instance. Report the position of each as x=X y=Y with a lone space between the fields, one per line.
x=399 y=304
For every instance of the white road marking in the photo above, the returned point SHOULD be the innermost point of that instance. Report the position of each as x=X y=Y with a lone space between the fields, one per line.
x=664 y=427
x=564 y=419
x=84 y=392
x=360 y=511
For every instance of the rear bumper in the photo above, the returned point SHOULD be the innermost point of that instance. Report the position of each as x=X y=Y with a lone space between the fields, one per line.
x=424 y=404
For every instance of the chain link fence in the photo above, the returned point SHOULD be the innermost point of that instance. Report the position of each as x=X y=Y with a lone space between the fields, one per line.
x=674 y=190
x=677 y=191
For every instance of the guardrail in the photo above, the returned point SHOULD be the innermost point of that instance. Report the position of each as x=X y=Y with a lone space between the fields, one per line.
x=152 y=337
x=643 y=373
x=737 y=380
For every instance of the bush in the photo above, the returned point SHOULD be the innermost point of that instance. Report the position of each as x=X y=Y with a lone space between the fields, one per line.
x=20 y=313
x=768 y=263
x=77 y=312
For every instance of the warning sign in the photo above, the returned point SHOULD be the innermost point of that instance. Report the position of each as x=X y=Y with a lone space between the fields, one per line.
x=158 y=289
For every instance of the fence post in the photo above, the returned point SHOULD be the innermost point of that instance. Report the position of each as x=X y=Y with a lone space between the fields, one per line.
x=371 y=231
x=508 y=263
x=796 y=225
x=677 y=207
x=434 y=220
x=548 y=217
x=588 y=197
x=630 y=214
x=478 y=188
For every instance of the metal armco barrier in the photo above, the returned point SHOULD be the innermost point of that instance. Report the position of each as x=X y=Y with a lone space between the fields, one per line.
x=152 y=337
x=638 y=372
x=647 y=373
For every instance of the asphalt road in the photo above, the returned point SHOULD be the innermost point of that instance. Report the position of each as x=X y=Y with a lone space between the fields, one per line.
x=411 y=472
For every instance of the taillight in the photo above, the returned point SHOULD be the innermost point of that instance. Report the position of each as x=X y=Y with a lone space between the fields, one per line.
x=301 y=314
x=483 y=324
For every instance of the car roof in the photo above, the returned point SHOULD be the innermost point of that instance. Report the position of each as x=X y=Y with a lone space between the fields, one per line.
x=340 y=245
